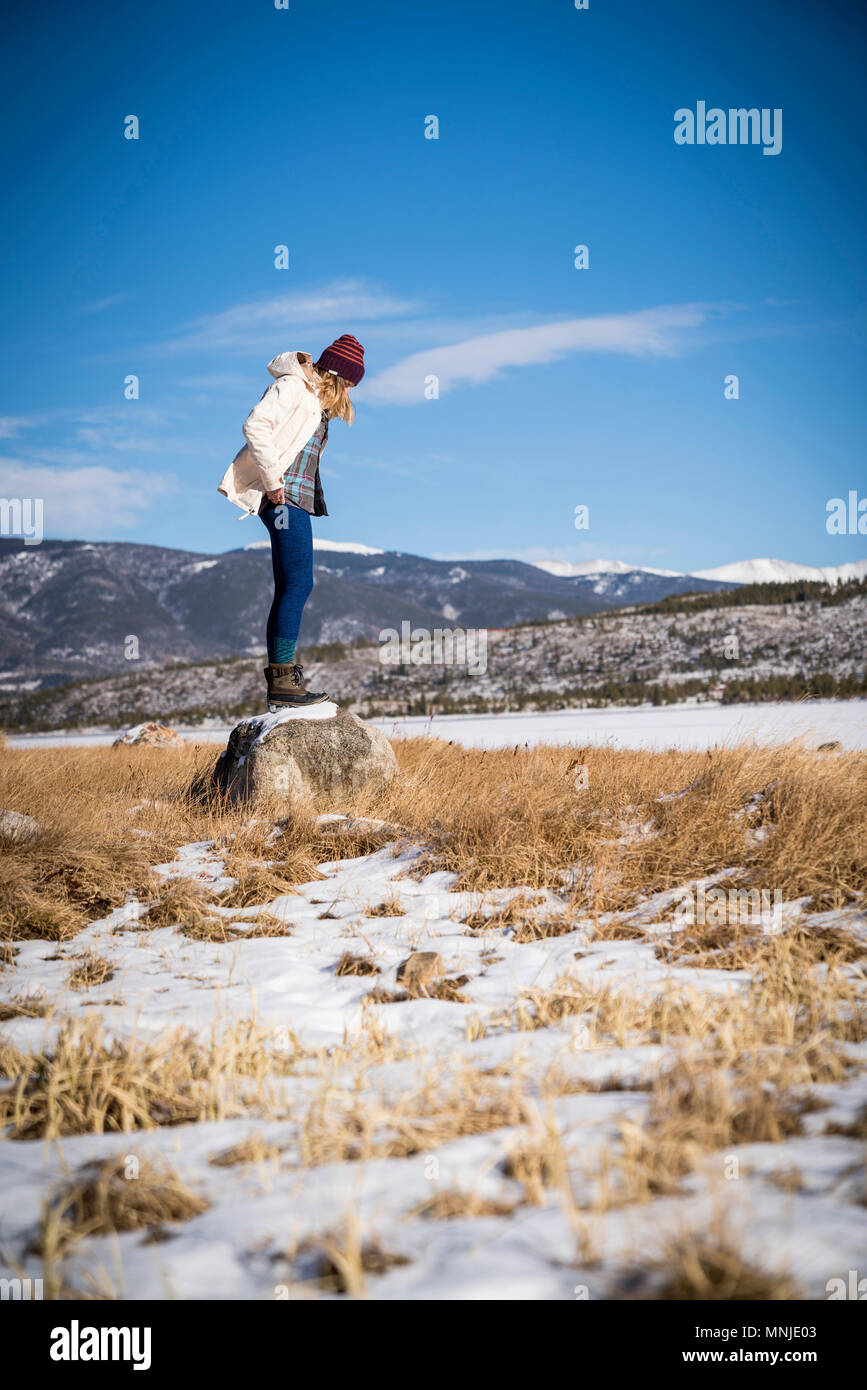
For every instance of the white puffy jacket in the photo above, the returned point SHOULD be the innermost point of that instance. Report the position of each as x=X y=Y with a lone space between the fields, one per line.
x=276 y=429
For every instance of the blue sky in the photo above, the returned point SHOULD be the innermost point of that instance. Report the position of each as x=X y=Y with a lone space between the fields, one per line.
x=558 y=386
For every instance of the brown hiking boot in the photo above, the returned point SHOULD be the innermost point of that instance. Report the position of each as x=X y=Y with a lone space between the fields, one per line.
x=286 y=689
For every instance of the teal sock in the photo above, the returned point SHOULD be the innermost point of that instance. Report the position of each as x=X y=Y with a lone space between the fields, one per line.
x=284 y=653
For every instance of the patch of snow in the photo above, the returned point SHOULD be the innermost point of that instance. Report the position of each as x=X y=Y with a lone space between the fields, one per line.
x=326 y=709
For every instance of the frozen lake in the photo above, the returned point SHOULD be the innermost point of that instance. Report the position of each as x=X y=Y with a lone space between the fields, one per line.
x=669 y=726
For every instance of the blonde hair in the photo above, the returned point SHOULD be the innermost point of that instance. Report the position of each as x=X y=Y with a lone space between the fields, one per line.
x=333 y=393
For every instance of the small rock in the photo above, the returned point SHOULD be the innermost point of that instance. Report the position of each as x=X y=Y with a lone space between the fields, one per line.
x=357 y=825
x=419 y=970
x=152 y=734
x=17 y=828
x=833 y=746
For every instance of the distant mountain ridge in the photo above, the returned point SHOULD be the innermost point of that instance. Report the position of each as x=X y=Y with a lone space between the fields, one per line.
x=74 y=609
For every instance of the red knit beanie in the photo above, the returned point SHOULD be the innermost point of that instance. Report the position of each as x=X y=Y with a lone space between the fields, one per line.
x=345 y=356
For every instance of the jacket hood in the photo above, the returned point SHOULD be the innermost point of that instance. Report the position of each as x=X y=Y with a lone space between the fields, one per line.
x=291 y=364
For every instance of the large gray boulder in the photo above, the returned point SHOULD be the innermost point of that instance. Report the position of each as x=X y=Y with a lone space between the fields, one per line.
x=321 y=748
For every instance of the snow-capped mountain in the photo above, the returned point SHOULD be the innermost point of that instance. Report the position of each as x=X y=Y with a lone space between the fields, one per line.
x=347 y=547
x=565 y=569
x=765 y=571
x=782 y=572
x=630 y=576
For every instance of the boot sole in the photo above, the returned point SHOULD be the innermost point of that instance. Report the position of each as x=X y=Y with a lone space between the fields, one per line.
x=278 y=706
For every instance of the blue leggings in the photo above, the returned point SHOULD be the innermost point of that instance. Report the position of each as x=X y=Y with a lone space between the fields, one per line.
x=292 y=560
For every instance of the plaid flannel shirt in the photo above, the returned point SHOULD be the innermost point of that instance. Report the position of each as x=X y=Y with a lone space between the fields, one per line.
x=301 y=479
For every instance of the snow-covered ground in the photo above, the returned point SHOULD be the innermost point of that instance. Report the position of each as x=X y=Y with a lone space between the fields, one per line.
x=259 y=1213
x=668 y=726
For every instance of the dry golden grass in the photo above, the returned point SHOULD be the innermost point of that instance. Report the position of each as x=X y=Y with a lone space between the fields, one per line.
x=706 y=1269
x=441 y=1105
x=25 y=1006
x=259 y=884
x=496 y=818
x=254 y=1149
x=738 y=948
x=356 y=965
x=341 y=1261
x=392 y=907
x=542 y=928
x=447 y=988
x=182 y=902
x=328 y=844
x=513 y=913
x=514 y=817
x=83 y=1084
x=123 y=1193
x=189 y=906
x=787 y=1003
x=222 y=929
x=695 y=1110
x=91 y=970
x=12 y=1062
x=86 y=861
x=536 y=1165
x=452 y=1205
x=385 y=996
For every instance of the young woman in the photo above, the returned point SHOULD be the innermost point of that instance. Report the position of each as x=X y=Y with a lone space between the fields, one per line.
x=276 y=475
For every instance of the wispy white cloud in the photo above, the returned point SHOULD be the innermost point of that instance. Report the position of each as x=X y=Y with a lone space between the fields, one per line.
x=344 y=306
x=130 y=429
x=12 y=425
x=86 y=501
x=97 y=306
x=485 y=356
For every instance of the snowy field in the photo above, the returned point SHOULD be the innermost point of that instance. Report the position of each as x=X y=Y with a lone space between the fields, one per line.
x=678 y=726
x=490 y=1138
x=266 y=1217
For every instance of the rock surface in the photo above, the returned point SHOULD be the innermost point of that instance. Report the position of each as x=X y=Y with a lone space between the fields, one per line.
x=151 y=734
x=17 y=828
x=318 y=749
x=419 y=970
